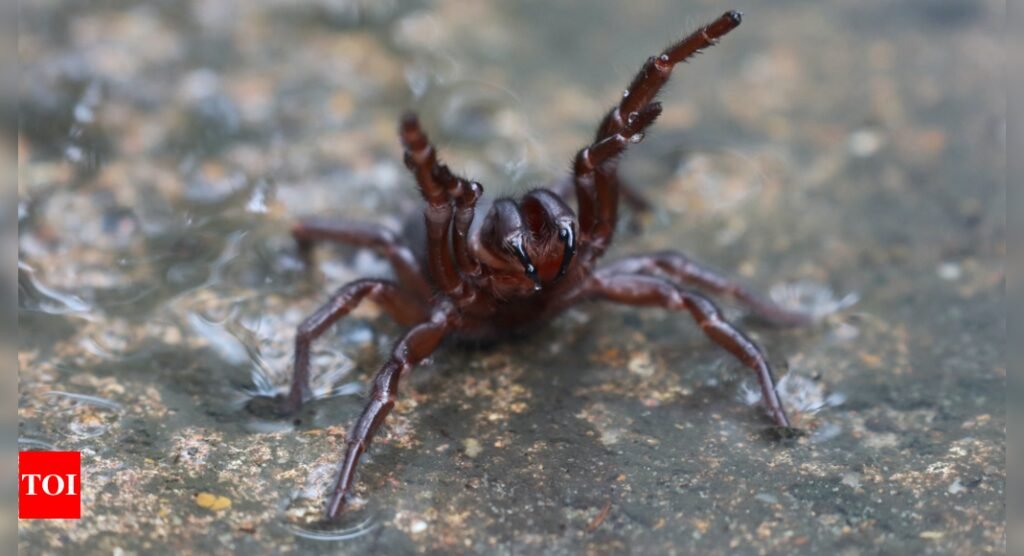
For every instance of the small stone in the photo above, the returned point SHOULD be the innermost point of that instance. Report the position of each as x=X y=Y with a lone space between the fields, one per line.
x=610 y=436
x=766 y=498
x=949 y=271
x=472 y=446
x=640 y=364
x=212 y=501
x=864 y=143
x=418 y=526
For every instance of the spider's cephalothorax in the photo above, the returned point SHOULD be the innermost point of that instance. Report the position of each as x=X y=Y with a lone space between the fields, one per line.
x=525 y=262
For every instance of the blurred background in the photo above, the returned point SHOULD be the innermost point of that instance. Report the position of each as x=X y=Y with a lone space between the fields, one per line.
x=848 y=158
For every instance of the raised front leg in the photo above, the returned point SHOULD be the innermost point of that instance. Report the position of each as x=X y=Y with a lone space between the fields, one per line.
x=363 y=234
x=417 y=344
x=638 y=289
x=680 y=267
x=656 y=71
x=421 y=159
x=595 y=175
x=404 y=308
x=597 y=184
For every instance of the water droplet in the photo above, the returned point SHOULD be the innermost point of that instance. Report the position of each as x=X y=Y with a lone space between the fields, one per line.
x=800 y=393
x=807 y=296
x=418 y=81
x=270 y=374
x=358 y=530
x=826 y=432
x=83 y=114
x=35 y=443
x=748 y=395
x=86 y=399
x=258 y=199
x=88 y=426
x=33 y=295
x=74 y=153
x=835 y=399
x=219 y=339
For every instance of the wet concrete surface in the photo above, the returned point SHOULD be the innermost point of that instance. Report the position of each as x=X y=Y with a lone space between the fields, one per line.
x=844 y=157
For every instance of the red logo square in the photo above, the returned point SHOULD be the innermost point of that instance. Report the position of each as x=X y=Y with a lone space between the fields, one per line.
x=49 y=485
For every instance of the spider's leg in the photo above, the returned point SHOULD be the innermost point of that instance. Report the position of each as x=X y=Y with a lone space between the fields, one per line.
x=628 y=193
x=464 y=194
x=413 y=348
x=644 y=87
x=595 y=176
x=678 y=266
x=638 y=289
x=363 y=234
x=403 y=307
x=421 y=159
x=656 y=71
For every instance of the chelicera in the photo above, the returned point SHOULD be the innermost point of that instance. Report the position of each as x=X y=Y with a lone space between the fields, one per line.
x=525 y=262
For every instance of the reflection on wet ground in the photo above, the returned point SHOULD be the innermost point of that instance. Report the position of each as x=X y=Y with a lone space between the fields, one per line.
x=846 y=158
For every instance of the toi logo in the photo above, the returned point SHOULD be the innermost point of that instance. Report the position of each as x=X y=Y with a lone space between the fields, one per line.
x=49 y=485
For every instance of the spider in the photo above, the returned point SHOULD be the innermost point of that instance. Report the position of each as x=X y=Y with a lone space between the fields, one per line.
x=526 y=262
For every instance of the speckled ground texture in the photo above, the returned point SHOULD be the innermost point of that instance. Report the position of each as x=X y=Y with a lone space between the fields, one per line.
x=846 y=157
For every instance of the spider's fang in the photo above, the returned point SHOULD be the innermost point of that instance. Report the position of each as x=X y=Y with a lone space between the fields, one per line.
x=528 y=266
x=567 y=234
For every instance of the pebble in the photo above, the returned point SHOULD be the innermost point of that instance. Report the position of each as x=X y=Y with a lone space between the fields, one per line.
x=640 y=364
x=212 y=501
x=864 y=143
x=851 y=480
x=950 y=271
x=472 y=446
x=418 y=526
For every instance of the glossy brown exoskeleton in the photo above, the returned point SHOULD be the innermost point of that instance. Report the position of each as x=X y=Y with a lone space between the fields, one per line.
x=527 y=261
